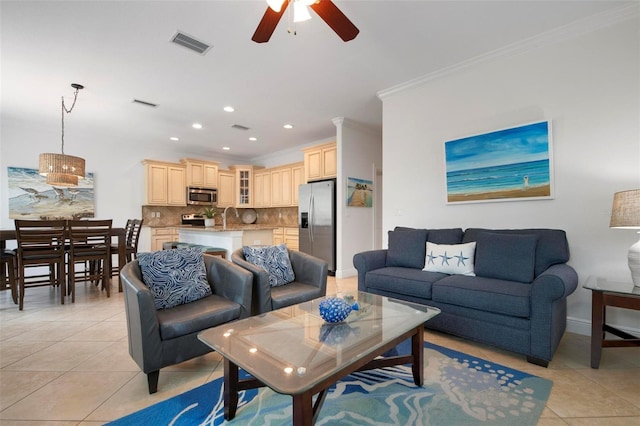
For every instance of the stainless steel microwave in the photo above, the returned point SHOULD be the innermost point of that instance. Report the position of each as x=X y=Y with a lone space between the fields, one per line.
x=202 y=196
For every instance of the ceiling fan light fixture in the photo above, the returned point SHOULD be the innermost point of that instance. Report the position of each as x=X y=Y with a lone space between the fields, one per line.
x=300 y=11
x=275 y=5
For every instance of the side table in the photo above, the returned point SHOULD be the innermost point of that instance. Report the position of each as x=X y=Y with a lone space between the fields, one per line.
x=605 y=292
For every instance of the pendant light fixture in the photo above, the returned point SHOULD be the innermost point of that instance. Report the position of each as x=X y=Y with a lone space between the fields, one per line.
x=62 y=169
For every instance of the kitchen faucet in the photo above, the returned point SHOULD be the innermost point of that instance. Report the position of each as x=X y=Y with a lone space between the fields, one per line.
x=224 y=216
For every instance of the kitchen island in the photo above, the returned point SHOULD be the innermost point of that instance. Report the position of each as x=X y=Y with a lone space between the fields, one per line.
x=231 y=238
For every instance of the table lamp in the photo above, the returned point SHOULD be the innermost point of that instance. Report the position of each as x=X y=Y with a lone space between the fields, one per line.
x=625 y=213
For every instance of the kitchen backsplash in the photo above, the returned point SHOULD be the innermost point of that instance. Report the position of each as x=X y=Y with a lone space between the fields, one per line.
x=172 y=216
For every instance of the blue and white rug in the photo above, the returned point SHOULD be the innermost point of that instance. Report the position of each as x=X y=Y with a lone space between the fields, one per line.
x=458 y=389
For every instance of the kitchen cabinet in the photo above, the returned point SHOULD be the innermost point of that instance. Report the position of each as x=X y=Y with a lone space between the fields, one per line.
x=201 y=174
x=297 y=179
x=320 y=162
x=287 y=236
x=160 y=236
x=226 y=188
x=291 y=238
x=280 y=187
x=244 y=185
x=278 y=236
x=165 y=184
x=262 y=182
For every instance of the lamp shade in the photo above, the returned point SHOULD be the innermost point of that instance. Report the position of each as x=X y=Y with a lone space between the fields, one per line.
x=61 y=169
x=625 y=212
x=276 y=5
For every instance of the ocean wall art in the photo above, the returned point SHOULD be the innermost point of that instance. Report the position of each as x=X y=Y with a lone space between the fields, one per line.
x=503 y=165
x=30 y=197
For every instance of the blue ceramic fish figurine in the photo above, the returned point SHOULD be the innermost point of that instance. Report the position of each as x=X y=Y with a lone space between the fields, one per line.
x=335 y=309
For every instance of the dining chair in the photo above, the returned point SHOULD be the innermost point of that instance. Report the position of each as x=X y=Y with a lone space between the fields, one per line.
x=41 y=243
x=9 y=273
x=132 y=236
x=89 y=244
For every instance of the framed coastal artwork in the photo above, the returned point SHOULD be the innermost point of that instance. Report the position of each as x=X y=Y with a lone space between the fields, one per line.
x=30 y=197
x=503 y=165
x=359 y=192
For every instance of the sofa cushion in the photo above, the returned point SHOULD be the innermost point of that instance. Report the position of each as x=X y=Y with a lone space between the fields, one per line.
x=412 y=282
x=486 y=294
x=450 y=258
x=175 y=276
x=506 y=256
x=445 y=236
x=197 y=316
x=407 y=248
x=552 y=247
x=274 y=259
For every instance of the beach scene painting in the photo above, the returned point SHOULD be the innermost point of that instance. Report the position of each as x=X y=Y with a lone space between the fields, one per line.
x=359 y=192
x=503 y=165
x=30 y=197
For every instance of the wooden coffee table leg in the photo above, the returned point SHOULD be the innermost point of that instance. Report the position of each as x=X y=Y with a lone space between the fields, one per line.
x=230 y=389
x=417 y=350
x=597 y=323
x=302 y=409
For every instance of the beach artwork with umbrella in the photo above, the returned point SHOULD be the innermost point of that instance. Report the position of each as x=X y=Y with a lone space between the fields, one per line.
x=504 y=165
x=30 y=197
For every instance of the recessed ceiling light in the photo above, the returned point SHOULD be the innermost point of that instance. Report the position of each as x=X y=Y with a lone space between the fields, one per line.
x=196 y=126
x=173 y=138
x=226 y=148
x=288 y=126
x=229 y=109
x=253 y=139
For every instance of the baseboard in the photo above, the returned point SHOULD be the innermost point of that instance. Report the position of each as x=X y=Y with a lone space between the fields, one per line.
x=346 y=273
x=583 y=327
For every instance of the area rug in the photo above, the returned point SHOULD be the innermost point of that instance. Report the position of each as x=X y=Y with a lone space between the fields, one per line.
x=459 y=389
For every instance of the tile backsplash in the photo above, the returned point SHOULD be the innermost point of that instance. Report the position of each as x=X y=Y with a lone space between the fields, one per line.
x=172 y=216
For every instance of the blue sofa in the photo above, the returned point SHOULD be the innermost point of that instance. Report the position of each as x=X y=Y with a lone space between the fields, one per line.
x=513 y=297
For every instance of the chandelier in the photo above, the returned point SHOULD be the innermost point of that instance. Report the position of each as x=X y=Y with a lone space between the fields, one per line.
x=62 y=169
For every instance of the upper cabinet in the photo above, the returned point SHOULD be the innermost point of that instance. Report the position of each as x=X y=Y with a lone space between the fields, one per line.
x=262 y=183
x=226 y=188
x=278 y=186
x=320 y=162
x=201 y=174
x=244 y=185
x=165 y=184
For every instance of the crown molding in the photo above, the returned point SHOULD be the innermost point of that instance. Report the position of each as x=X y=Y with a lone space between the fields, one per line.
x=565 y=32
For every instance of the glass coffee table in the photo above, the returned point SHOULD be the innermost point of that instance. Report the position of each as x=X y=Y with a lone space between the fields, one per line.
x=606 y=292
x=295 y=352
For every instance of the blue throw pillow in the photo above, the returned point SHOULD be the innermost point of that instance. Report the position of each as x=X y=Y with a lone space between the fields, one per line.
x=175 y=277
x=273 y=259
x=407 y=248
x=506 y=256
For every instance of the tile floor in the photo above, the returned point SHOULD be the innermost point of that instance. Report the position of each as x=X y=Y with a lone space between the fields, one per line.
x=69 y=365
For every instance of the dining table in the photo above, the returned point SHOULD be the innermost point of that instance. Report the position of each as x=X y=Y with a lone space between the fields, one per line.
x=119 y=233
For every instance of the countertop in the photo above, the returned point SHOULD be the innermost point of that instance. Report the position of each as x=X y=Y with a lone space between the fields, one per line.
x=218 y=228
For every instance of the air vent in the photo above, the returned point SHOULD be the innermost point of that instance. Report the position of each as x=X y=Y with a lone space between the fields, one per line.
x=240 y=127
x=145 y=103
x=190 y=43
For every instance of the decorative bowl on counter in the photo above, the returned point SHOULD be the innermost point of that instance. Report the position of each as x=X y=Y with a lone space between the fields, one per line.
x=249 y=216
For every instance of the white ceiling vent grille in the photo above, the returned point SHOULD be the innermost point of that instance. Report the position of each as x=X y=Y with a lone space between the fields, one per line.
x=190 y=43
x=240 y=127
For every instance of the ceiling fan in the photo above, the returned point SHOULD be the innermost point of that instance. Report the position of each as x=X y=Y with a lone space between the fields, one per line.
x=328 y=11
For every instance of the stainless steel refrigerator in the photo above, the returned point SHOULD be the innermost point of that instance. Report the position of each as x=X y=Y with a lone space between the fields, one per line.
x=317 y=221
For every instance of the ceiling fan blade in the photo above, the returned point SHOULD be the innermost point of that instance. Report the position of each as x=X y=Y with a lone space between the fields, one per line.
x=268 y=24
x=337 y=20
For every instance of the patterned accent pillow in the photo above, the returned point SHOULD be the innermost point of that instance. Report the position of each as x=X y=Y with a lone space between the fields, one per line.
x=175 y=277
x=450 y=258
x=274 y=260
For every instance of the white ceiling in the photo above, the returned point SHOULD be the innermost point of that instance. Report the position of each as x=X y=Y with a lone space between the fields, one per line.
x=121 y=50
